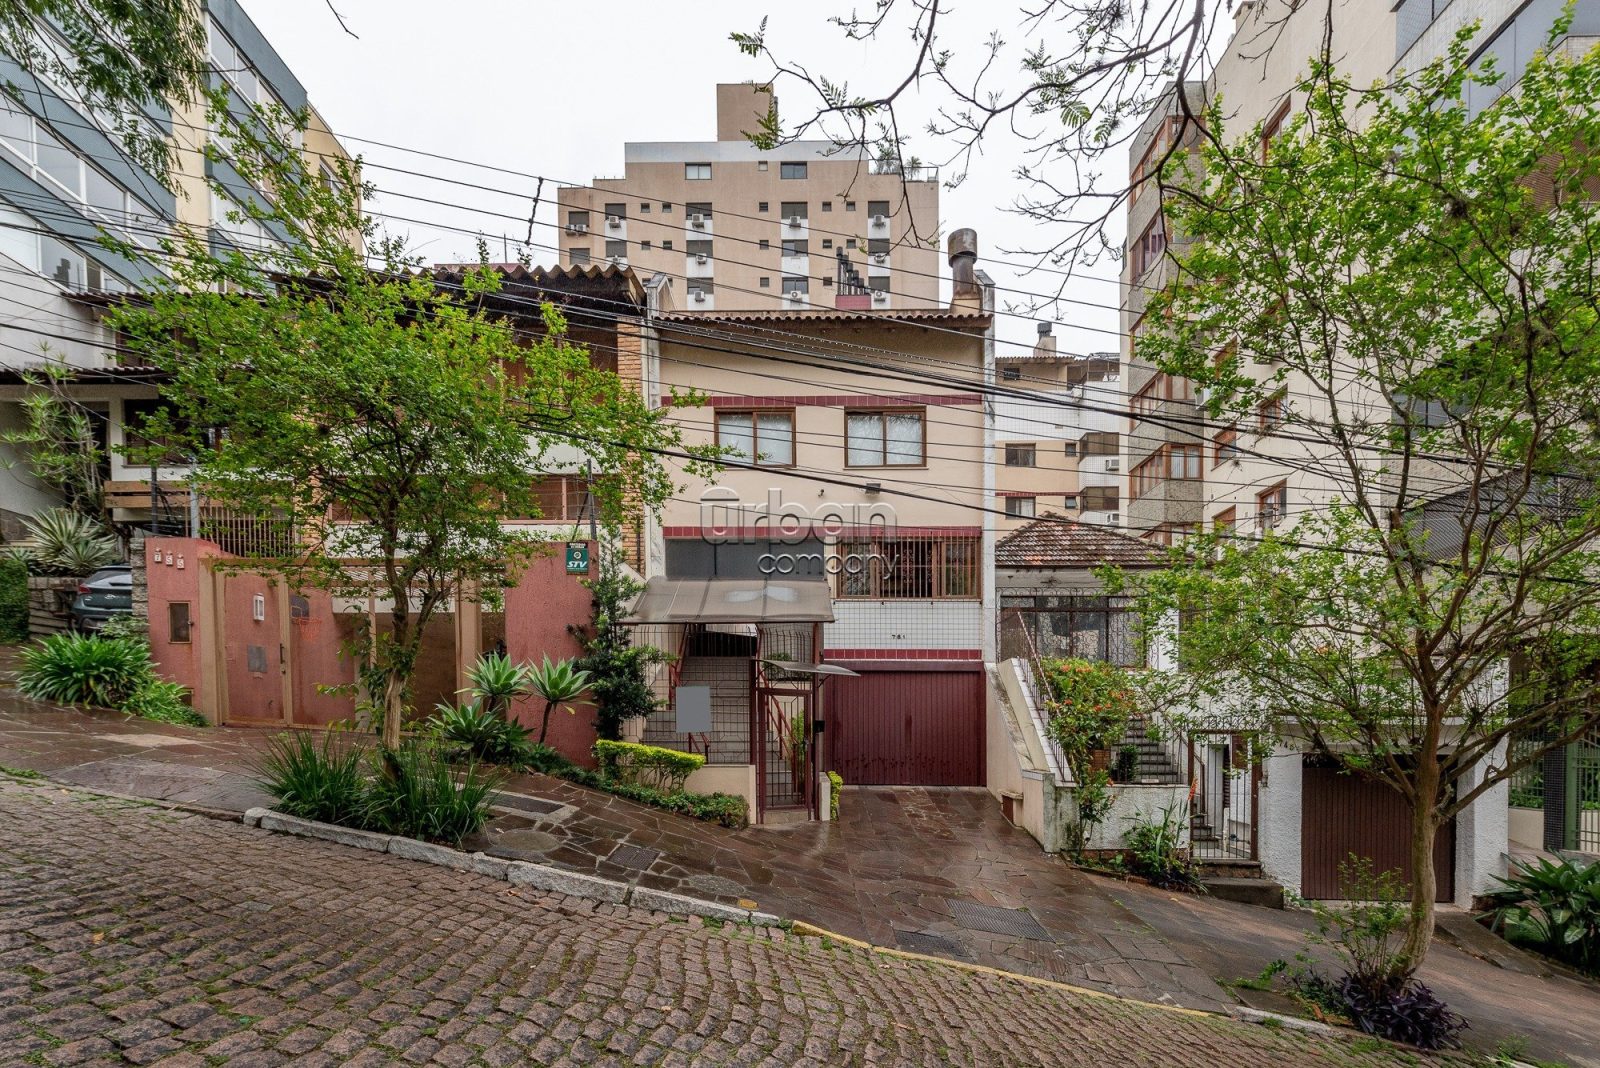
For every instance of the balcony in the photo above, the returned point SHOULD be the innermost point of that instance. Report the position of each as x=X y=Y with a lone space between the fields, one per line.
x=911 y=172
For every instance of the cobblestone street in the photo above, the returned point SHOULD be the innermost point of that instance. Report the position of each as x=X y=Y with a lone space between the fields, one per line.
x=129 y=934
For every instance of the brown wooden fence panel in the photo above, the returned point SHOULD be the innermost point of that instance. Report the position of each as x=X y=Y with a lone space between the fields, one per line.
x=891 y=727
x=1345 y=814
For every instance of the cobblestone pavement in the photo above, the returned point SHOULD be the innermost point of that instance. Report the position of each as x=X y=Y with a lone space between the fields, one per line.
x=130 y=934
x=901 y=867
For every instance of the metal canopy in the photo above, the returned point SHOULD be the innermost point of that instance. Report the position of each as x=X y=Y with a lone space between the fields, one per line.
x=667 y=600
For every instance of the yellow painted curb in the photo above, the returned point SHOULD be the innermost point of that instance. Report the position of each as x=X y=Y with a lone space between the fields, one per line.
x=807 y=930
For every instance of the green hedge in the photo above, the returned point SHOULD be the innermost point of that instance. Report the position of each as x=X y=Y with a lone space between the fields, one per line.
x=727 y=810
x=13 y=599
x=665 y=770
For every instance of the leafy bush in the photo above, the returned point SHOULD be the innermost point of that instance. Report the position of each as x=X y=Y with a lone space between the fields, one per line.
x=126 y=626
x=1155 y=850
x=416 y=792
x=660 y=769
x=83 y=669
x=1373 y=992
x=496 y=681
x=1408 y=1013
x=725 y=809
x=475 y=731
x=13 y=600
x=164 y=702
x=619 y=671
x=1552 y=907
x=412 y=791
x=543 y=758
x=835 y=784
x=315 y=781
x=68 y=543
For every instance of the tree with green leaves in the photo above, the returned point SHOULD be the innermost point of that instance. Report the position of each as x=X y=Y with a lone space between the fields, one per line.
x=1416 y=279
x=394 y=424
x=619 y=669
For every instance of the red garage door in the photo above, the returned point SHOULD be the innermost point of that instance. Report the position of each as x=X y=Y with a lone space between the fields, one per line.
x=1343 y=814
x=921 y=726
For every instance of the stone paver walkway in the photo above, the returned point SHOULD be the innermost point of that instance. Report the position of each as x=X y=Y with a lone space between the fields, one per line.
x=134 y=935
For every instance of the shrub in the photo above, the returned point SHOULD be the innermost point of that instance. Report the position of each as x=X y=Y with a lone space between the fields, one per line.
x=496 y=681
x=82 y=669
x=13 y=600
x=665 y=770
x=558 y=683
x=315 y=781
x=126 y=626
x=1155 y=851
x=1552 y=907
x=479 y=733
x=1408 y=1013
x=416 y=792
x=1373 y=992
x=727 y=810
x=835 y=784
x=68 y=543
x=164 y=702
x=543 y=758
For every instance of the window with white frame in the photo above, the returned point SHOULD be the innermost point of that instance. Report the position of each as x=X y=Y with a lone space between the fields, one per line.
x=697 y=172
x=1021 y=507
x=891 y=438
x=762 y=437
x=57 y=166
x=233 y=65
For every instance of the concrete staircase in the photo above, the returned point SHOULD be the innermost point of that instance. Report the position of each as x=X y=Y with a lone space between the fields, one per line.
x=1154 y=765
x=729 y=679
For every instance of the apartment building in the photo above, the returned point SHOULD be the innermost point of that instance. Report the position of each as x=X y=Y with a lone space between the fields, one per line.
x=830 y=585
x=1298 y=818
x=65 y=177
x=807 y=224
x=1057 y=435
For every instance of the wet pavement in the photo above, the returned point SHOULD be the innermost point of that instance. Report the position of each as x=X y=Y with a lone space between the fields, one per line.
x=928 y=870
x=935 y=871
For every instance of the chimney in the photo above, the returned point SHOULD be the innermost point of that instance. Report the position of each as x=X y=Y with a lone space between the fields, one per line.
x=741 y=107
x=963 y=248
x=1045 y=347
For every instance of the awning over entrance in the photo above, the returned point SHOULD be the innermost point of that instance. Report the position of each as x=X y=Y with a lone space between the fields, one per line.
x=667 y=600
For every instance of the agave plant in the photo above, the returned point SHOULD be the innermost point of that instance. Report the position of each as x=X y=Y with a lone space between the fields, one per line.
x=68 y=543
x=496 y=681
x=557 y=683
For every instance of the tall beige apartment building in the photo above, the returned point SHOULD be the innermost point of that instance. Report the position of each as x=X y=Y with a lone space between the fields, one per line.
x=809 y=224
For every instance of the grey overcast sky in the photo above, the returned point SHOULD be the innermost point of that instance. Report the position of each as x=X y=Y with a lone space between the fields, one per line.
x=556 y=89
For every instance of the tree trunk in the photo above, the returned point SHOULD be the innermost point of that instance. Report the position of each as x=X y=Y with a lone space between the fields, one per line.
x=1424 y=881
x=394 y=688
x=544 y=724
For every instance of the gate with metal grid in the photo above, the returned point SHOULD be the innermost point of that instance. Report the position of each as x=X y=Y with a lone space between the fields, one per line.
x=1224 y=785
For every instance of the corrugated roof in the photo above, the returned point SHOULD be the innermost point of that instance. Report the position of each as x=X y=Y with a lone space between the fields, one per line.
x=669 y=600
x=835 y=315
x=1056 y=541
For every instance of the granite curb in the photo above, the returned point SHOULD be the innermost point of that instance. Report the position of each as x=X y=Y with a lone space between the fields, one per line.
x=519 y=872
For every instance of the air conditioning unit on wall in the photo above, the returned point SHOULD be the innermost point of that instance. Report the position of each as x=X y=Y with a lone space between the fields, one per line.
x=795 y=294
x=1113 y=464
x=699 y=296
x=698 y=221
x=613 y=221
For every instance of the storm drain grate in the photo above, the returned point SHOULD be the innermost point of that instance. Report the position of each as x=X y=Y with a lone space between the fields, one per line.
x=632 y=856
x=996 y=920
x=523 y=803
x=931 y=944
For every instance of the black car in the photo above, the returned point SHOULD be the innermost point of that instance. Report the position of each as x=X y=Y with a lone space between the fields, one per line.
x=106 y=593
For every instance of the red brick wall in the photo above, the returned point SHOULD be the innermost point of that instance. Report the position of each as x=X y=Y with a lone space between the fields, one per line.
x=539 y=610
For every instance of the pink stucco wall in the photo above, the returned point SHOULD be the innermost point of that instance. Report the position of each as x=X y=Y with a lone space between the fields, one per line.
x=177 y=581
x=539 y=610
x=539 y=614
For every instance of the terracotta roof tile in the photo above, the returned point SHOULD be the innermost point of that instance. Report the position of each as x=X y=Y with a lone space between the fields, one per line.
x=1055 y=541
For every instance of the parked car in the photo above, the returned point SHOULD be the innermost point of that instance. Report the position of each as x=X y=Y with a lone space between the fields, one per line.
x=106 y=593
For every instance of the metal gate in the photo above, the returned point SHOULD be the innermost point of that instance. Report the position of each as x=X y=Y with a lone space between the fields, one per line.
x=1224 y=786
x=1343 y=814
x=917 y=726
x=784 y=750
